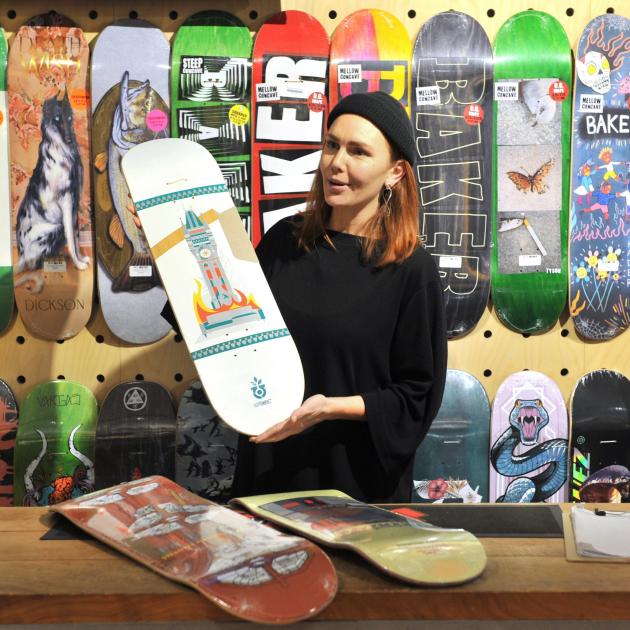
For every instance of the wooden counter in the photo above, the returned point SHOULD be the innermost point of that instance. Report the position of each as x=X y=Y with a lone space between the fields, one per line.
x=65 y=581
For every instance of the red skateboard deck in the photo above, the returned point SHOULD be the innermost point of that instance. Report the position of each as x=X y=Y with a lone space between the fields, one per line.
x=8 y=432
x=248 y=569
x=289 y=112
x=370 y=51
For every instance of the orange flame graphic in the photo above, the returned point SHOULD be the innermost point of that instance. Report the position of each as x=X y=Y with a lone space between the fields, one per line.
x=202 y=311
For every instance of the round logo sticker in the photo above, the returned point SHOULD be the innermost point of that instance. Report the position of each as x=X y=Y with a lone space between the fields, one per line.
x=317 y=102
x=473 y=114
x=239 y=115
x=558 y=90
x=157 y=120
x=135 y=399
x=79 y=99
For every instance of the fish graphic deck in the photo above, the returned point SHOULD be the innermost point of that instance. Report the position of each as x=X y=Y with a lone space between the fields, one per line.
x=130 y=99
x=600 y=187
x=452 y=114
x=54 y=451
x=135 y=435
x=248 y=569
x=600 y=438
x=243 y=352
x=529 y=437
x=289 y=111
x=50 y=179
x=210 y=95
x=532 y=79
x=405 y=548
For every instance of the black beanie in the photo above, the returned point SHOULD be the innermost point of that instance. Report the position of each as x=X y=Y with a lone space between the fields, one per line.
x=384 y=112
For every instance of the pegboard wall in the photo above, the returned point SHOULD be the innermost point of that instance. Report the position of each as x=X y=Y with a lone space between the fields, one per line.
x=491 y=352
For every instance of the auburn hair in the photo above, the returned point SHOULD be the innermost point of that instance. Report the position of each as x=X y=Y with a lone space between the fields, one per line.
x=391 y=235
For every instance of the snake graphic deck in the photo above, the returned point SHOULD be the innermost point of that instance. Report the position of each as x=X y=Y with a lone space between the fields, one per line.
x=246 y=568
x=370 y=51
x=452 y=114
x=210 y=94
x=289 y=111
x=8 y=433
x=6 y=270
x=532 y=78
x=451 y=464
x=50 y=182
x=243 y=352
x=135 y=435
x=600 y=438
x=529 y=434
x=54 y=452
x=404 y=548
x=600 y=188
x=205 y=458
x=130 y=97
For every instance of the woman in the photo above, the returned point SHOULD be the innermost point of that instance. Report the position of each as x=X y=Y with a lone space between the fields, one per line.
x=363 y=302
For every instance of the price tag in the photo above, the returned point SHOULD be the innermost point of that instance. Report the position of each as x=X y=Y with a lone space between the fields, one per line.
x=140 y=271
x=529 y=260
x=450 y=262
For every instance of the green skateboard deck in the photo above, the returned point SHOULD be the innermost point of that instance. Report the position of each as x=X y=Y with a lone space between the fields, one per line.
x=402 y=547
x=54 y=452
x=210 y=94
x=8 y=431
x=6 y=270
x=531 y=171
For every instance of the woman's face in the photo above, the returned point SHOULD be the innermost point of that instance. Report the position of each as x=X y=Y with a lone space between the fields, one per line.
x=356 y=163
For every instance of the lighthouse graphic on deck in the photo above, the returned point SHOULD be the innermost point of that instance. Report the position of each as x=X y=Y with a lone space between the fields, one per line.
x=228 y=306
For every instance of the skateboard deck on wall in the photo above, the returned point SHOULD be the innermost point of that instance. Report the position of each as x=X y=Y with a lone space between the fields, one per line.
x=205 y=458
x=370 y=51
x=532 y=78
x=246 y=568
x=289 y=111
x=6 y=271
x=48 y=119
x=529 y=434
x=431 y=556
x=451 y=113
x=600 y=438
x=135 y=435
x=130 y=97
x=54 y=452
x=451 y=464
x=243 y=352
x=210 y=94
x=8 y=432
x=600 y=187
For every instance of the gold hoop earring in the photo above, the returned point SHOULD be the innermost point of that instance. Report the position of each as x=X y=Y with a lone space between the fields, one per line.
x=387 y=196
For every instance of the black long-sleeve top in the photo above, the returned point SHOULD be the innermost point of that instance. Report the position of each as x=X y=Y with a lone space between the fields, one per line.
x=379 y=333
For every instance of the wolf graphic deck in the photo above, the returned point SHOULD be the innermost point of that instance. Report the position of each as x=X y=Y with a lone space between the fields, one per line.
x=532 y=78
x=600 y=188
x=205 y=459
x=6 y=271
x=405 y=548
x=451 y=464
x=289 y=111
x=54 y=452
x=8 y=433
x=600 y=438
x=130 y=105
x=246 y=568
x=452 y=113
x=529 y=439
x=370 y=51
x=243 y=352
x=135 y=435
x=50 y=182
x=210 y=95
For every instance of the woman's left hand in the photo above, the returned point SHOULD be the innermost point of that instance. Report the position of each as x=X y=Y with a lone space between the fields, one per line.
x=312 y=411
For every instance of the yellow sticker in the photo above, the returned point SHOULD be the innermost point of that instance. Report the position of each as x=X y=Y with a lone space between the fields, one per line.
x=239 y=115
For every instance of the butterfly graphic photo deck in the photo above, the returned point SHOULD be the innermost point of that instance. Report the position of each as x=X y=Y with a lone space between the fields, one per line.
x=532 y=183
